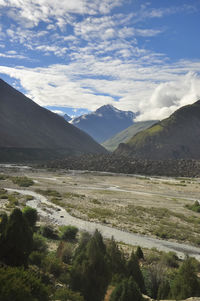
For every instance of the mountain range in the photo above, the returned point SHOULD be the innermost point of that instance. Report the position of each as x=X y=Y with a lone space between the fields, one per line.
x=176 y=137
x=30 y=131
x=104 y=123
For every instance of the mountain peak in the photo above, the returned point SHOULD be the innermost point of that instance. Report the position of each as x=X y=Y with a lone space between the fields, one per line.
x=105 y=122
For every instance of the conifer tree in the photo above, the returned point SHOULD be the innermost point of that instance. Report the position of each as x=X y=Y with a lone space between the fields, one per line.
x=139 y=253
x=90 y=272
x=186 y=283
x=126 y=290
x=116 y=258
x=16 y=240
x=133 y=269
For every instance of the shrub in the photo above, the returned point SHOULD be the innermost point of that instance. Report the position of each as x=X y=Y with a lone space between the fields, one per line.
x=52 y=265
x=39 y=243
x=22 y=181
x=17 y=284
x=49 y=232
x=65 y=251
x=195 y=207
x=36 y=258
x=65 y=294
x=68 y=232
x=170 y=259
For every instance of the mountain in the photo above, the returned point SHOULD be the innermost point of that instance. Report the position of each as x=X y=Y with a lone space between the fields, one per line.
x=67 y=117
x=177 y=137
x=123 y=136
x=30 y=131
x=105 y=122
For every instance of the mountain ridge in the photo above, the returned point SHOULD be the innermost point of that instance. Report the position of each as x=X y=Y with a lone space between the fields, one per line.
x=26 y=125
x=176 y=137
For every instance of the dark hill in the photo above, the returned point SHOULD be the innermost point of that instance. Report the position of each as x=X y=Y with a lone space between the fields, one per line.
x=105 y=122
x=177 y=137
x=30 y=131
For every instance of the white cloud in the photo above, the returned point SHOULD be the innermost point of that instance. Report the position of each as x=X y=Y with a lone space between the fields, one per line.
x=170 y=96
x=59 y=112
x=154 y=91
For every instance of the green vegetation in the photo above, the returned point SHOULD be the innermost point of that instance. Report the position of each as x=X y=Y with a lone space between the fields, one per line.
x=30 y=215
x=122 y=137
x=22 y=181
x=15 y=240
x=68 y=232
x=126 y=290
x=17 y=284
x=83 y=269
x=195 y=207
x=3 y=177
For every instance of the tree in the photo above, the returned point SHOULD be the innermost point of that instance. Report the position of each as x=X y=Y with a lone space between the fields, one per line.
x=3 y=222
x=31 y=216
x=116 y=258
x=163 y=290
x=90 y=272
x=139 y=253
x=133 y=269
x=186 y=283
x=127 y=290
x=16 y=240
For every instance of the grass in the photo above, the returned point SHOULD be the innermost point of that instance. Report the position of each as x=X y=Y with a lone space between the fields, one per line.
x=22 y=181
x=195 y=207
x=99 y=213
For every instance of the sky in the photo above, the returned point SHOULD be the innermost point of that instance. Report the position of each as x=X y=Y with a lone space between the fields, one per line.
x=73 y=56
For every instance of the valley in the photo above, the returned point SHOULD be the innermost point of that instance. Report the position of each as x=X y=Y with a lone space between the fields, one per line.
x=151 y=211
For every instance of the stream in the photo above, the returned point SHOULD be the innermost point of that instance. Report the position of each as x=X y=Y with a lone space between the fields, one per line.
x=58 y=216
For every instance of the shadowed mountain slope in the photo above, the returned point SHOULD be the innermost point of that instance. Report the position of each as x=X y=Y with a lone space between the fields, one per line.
x=105 y=122
x=24 y=125
x=123 y=137
x=177 y=137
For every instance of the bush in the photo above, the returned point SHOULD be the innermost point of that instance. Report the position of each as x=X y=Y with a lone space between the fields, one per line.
x=195 y=207
x=39 y=243
x=49 y=232
x=170 y=259
x=19 y=285
x=64 y=294
x=36 y=258
x=68 y=232
x=22 y=181
x=65 y=251
x=52 y=265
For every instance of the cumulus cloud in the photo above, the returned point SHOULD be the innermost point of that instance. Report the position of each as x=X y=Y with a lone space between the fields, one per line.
x=170 y=96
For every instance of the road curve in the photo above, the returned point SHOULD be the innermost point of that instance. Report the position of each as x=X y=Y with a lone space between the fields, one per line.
x=57 y=215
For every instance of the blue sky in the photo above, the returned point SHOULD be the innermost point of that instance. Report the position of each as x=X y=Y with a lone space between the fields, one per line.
x=74 y=56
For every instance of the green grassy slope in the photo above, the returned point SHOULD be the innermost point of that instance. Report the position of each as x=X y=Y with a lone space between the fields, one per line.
x=123 y=136
x=176 y=137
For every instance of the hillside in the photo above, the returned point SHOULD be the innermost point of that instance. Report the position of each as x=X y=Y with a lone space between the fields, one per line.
x=104 y=123
x=123 y=137
x=176 y=137
x=30 y=131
